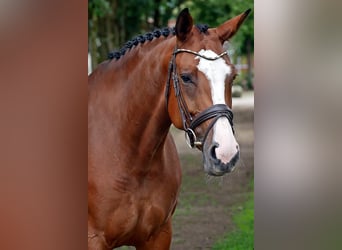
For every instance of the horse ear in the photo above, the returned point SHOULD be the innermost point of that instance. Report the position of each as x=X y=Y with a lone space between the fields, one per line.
x=230 y=27
x=184 y=25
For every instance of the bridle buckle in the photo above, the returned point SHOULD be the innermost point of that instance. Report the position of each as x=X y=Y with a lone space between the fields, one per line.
x=190 y=137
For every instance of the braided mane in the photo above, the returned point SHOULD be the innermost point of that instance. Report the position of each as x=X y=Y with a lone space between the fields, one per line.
x=149 y=37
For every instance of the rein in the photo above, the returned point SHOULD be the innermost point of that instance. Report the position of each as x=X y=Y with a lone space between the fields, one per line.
x=191 y=123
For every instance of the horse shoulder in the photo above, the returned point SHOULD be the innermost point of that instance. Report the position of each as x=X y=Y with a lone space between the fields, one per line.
x=159 y=195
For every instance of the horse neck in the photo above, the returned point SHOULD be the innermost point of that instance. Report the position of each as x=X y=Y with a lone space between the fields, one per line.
x=143 y=118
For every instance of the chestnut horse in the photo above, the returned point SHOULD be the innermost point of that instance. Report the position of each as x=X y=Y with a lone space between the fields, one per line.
x=180 y=76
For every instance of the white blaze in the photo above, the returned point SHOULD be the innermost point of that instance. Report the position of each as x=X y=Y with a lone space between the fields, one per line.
x=216 y=71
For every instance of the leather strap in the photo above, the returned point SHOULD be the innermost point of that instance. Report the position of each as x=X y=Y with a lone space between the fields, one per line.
x=213 y=111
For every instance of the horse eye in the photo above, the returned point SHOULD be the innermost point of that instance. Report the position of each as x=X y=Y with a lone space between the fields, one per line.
x=186 y=78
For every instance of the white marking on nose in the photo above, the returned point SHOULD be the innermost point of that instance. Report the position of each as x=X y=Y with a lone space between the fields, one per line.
x=216 y=71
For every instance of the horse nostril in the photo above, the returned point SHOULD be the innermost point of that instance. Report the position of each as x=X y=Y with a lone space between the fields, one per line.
x=212 y=153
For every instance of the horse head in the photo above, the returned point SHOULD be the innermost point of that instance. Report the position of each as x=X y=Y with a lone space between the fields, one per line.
x=200 y=99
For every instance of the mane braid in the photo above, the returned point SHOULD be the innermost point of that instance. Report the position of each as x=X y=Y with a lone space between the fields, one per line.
x=202 y=27
x=149 y=36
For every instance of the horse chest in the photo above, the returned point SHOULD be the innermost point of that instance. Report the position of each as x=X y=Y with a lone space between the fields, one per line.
x=152 y=217
x=154 y=206
x=141 y=213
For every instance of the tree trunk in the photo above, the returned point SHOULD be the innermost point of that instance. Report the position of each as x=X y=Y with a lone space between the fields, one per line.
x=249 y=64
x=156 y=16
x=115 y=22
x=92 y=41
x=109 y=30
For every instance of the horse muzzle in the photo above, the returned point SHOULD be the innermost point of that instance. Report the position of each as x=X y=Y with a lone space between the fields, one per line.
x=214 y=166
x=218 y=159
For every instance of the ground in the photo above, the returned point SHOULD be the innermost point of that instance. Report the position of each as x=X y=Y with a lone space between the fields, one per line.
x=203 y=214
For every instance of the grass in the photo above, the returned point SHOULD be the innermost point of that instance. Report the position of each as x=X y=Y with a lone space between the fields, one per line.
x=242 y=238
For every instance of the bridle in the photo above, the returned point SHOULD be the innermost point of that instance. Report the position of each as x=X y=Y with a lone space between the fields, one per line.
x=191 y=123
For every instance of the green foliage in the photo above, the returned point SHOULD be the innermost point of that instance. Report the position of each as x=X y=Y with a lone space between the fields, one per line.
x=113 y=22
x=215 y=12
x=99 y=8
x=243 y=236
x=212 y=12
x=244 y=81
x=246 y=32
